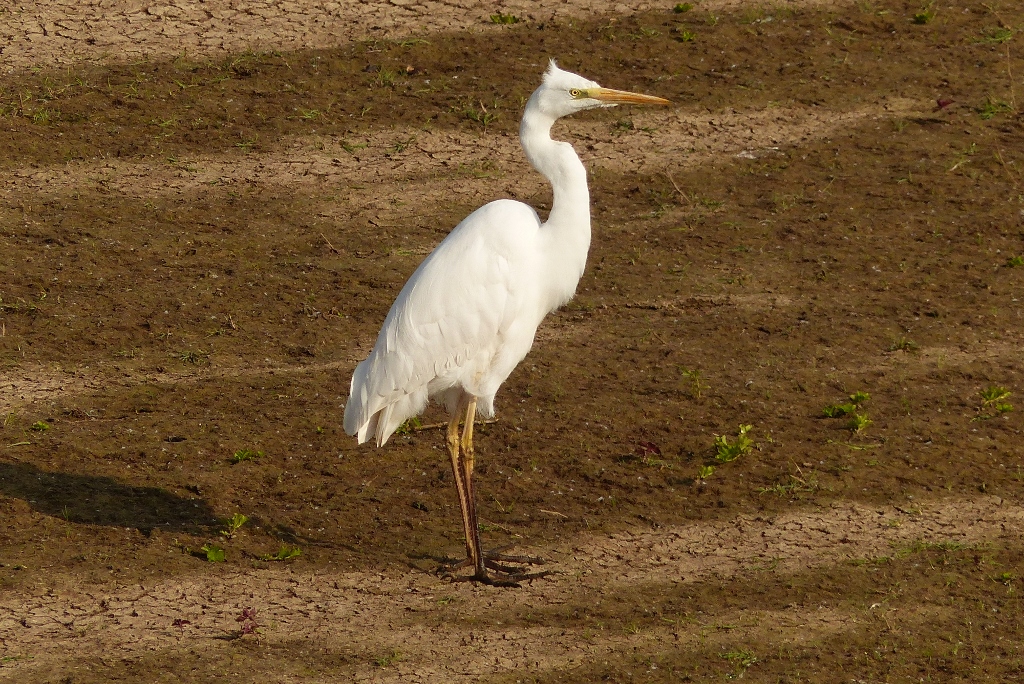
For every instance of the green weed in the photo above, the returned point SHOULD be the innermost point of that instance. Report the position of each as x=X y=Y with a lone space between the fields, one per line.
x=352 y=148
x=903 y=344
x=996 y=35
x=214 y=553
x=859 y=397
x=1015 y=261
x=505 y=19
x=705 y=471
x=193 y=356
x=285 y=553
x=682 y=7
x=795 y=485
x=233 y=524
x=409 y=426
x=40 y=426
x=993 y=401
x=684 y=36
x=742 y=658
x=697 y=384
x=840 y=410
x=401 y=145
x=726 y=451
x=924 y=15
x=41 y=117
x=991 y=107
x=246 y=144
x=245 y=455
x=481 y=116
x=387 y=660
x=858 y=423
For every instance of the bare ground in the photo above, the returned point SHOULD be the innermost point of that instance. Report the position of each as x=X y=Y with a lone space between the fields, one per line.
x=206 y=215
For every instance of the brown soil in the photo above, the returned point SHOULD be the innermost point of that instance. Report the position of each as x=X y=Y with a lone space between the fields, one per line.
x=201 y=239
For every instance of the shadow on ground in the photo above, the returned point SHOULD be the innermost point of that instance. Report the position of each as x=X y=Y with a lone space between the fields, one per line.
x=99 y=500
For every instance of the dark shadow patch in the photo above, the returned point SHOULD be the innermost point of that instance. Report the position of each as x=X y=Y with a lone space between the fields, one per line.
x=99 y=500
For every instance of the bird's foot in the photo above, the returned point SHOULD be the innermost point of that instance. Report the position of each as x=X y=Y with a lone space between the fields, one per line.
x=505 y=570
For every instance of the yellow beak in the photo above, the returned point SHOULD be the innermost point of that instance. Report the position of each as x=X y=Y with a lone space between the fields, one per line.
x=624 y=97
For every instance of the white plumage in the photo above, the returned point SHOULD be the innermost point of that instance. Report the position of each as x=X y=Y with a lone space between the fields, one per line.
x=468 y=315
x=462 y=322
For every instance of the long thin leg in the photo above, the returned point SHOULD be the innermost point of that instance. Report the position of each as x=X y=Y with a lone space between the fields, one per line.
x=460 y=483
x=462 y=457
x=476 y=555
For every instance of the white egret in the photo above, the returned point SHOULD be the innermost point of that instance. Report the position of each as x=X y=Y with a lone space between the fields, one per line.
x=469 y=313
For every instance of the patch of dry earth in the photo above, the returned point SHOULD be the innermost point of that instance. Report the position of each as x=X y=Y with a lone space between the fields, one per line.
x=381 y=613
x=67 y=31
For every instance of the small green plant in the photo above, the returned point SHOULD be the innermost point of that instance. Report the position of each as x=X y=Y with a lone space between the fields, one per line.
x=40 y=426
x=401 y=145
x=993 y=399
x=352 y=148
x=1015 y=261
x=1005 y=578
x=859 y=397
x=232 y=525
x=682 y=7
x=902 y=344
x=409 y=426
x=685 y=36
x=697 y=384
x=246 y=144
x=997 y=35
x=837 y=410
x=726 y=451
x=245 y=455
x=214 y=553
x=741 y=658
x=795 y=484
x=481 y=116
x=705 y=471
x=991 y=107
x=644 y=32
x=924 y=15
x=858 y=423
x=285 y=553
x=193 y=356
x=504 y=19
x=388 y=659
x=840 y=410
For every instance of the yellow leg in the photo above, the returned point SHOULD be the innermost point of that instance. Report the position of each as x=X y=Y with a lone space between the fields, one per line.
x=461 y=452
x=476 y=555
x=460 y=483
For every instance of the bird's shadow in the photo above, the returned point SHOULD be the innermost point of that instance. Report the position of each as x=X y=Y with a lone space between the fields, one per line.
x=100 y=500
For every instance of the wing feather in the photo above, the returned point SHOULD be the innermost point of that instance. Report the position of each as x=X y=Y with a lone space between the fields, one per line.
x=451 y=314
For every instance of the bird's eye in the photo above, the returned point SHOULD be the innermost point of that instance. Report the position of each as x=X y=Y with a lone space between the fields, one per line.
x=576 y=92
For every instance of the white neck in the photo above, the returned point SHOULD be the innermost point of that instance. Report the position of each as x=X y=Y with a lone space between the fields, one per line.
x=567 y=230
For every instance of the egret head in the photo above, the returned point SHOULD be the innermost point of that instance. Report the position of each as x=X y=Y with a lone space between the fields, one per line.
x=563 y=93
